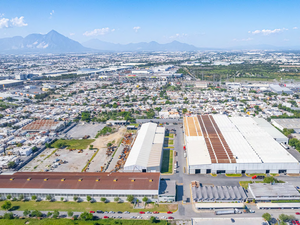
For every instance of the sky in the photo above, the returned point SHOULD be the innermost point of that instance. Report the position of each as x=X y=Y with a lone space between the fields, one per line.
x=208 y=23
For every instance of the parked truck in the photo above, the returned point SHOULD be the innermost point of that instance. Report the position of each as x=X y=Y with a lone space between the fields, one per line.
x=229 y=211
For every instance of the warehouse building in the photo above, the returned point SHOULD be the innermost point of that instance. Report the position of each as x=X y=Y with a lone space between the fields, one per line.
x=81 y=185
x=146 y=153
x=221 y=144
x=10 y=83
x=287 y=123
x=217 y=193
x=268 y=192
x=44 y=125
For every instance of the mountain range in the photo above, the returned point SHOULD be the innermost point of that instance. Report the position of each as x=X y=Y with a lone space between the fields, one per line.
x=142 y=46
x=54 y=42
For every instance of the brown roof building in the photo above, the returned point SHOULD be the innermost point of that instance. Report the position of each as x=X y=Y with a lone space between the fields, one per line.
x=68 y=185
x=42 y=125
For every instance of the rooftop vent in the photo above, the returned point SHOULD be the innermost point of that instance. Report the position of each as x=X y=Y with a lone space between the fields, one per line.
x=80 y=179
x=29 y=178
x=115 y=180
x=151 y=180
x=45 y=179
x=63 y=179
x=12 y=178
x=132 y=180
x=97 y=179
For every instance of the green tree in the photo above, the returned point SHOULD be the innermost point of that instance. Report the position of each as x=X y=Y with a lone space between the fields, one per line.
x=75 y=198
x=33 y=197
x=145 y=199
x=11 y=164
x=116 y=199
x=70 y=213
x=26 y=212
x=153 y=219
x=49 y=214
x=48 y=197
x=36 y=213
x=55 y=214
x=86 y=216
x=267 y=216
x=21 y=197
x=103 y=199
x=88 y=198
x=62 y=198
x=130 y=198
x=8 y=216
x=8 y=196
x=184 y=110
x=6 y=205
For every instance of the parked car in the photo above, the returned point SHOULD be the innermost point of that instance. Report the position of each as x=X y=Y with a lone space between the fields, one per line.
x=126 y=212
x=297 y=213
x=92 y=211
x=99 y=211
x=142 y=212
x=170 y=218
x=111 y=212
x=105 y=217
x=169 y=212
x=119 y=212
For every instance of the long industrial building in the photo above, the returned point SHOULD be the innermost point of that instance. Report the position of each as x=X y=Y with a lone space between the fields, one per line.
x=221 y=144
x=69 y=185
x=146 y=153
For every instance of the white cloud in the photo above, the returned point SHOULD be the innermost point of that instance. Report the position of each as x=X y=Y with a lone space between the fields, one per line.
x=98 y=32
x=243 y=39
x=178 y=36
x=136 y=29
x=71 y=34
x=4 y=23
x=1 y=15
x=295 y=28
x=18 y=22
x=267 y=32
x=51 y=14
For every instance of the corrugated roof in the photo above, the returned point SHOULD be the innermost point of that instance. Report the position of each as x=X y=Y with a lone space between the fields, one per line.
x=237 y=143
x=114 y=181
x=261 y=142
x=147 y=148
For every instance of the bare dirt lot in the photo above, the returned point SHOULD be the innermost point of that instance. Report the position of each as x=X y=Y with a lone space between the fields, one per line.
x=101 y=159
x=75 y=161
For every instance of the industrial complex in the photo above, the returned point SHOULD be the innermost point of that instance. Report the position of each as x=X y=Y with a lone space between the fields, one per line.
x=146 y=153
x=221 y=144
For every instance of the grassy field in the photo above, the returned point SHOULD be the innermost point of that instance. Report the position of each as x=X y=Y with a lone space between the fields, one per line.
x=167 y=162
x=171 y=142
x=233 y=175
x=86 y=206
x=244 y=184
x=77 y=144
x=77 y=222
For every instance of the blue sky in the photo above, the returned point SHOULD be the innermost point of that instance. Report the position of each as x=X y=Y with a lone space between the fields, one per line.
x=209 y=23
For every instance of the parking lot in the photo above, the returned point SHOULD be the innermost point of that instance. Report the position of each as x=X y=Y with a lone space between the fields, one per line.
x=81 y=130
x=62 y=160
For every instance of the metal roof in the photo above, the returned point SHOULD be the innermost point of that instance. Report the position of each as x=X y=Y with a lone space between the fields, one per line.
x=236 y=141
x=65 y=180
x=281 y=190
x=268 y=150
x=147 y=147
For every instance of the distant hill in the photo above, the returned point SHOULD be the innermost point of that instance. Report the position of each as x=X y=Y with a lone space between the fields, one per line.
x=52 y=42
x=141 y=46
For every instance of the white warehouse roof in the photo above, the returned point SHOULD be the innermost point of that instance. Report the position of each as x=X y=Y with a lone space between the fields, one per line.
x=147 y=149
x=262 y=143
x=236 y=141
